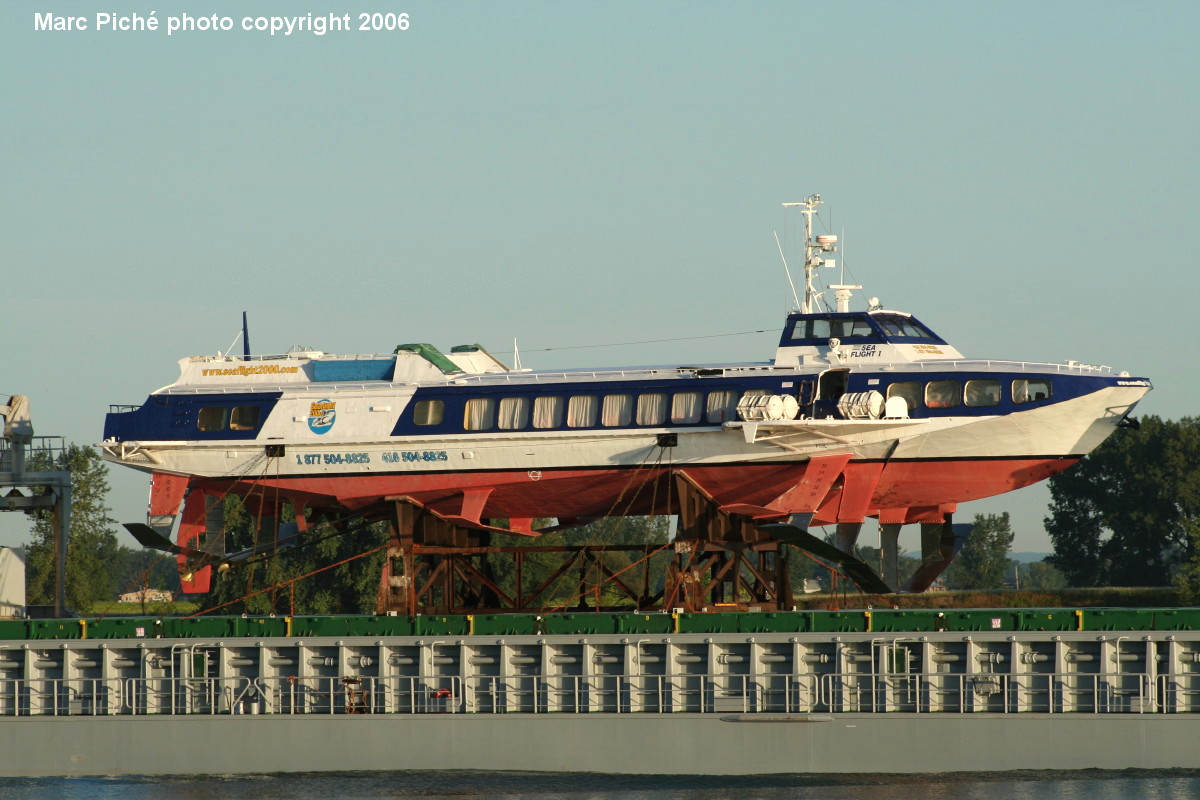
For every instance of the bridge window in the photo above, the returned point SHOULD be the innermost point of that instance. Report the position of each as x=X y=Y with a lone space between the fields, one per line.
x=722 y=406
x=909 y=390
x=581 y=411
x=547 y=412
x=651 y=409
x=814 y=329
x=429 y=412
x=854 y=327
x=943 y=394
x=514 y=413
x=244 y=418
x=827 y=328
x=685 y=408
x=1030 y=390
x=617 y=410
x=903 y=327
x=983 y=392
x=480 y=414
x=212 y=419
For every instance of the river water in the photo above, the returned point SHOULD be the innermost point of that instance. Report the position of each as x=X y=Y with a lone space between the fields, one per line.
x=1086 y=785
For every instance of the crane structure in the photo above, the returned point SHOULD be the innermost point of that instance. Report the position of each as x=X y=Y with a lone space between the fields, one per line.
x=22 y=489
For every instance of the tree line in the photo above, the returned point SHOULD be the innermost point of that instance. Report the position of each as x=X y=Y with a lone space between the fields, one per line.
x=98 y=567
x=1127 y=514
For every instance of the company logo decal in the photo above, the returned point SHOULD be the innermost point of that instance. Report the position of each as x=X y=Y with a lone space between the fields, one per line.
x=321 y=416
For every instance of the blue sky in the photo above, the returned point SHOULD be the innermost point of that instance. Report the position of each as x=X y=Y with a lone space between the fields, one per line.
x=1019 y=175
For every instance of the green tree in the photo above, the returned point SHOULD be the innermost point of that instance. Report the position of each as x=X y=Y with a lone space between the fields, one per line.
x=291 y=576
x=983 y=561
x=1119 y=517
x=906 y=563
x=1039 y=576
x=92 y=548
x=144 y=569
x=577 y=587
x=1187 y=579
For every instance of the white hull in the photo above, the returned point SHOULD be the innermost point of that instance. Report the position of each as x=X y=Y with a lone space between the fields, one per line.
x=1070 y=428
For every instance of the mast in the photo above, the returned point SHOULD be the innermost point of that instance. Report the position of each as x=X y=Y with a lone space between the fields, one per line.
x=245 y=338
x=813 y=248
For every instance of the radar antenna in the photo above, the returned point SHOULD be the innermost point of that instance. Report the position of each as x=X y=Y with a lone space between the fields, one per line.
x=813 y=248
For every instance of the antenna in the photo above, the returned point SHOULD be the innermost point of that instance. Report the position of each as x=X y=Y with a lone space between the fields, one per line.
x=516 y=356
x=788 y=271
x=842 y=275
x=842 y=291
x=812 y=249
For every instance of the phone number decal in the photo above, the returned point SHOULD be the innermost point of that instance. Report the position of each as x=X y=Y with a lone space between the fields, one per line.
x=410 y=456
x=334 y=458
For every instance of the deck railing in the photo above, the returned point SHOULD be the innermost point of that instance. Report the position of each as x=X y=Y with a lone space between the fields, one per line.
x=763 y=693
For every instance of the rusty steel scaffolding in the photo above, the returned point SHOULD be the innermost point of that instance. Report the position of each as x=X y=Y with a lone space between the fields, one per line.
x=716 y=560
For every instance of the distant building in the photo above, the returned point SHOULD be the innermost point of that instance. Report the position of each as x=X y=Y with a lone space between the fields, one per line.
x=148 y=596
x=12 y=582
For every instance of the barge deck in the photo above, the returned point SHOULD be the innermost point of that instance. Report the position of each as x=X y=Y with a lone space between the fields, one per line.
x=660 y=694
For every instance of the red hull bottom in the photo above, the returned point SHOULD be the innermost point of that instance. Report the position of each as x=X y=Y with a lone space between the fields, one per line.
x=830 y=489
x=907 y=491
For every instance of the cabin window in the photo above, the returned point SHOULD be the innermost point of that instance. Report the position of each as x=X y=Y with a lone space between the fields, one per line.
x=686 y=408
x=909 y=390
x=429 y=412
x=581 y=411
x=514 y=413
x=651 y=409
x=211 y=419
x=983 y=392
x=903 y=327
x=244 y=418
x=480 y=414
x=827 y=328
x=547 y=412
x=854 y=327
x=722 y=406
x=1031 y=390
x=943 y=394
x=617 y=410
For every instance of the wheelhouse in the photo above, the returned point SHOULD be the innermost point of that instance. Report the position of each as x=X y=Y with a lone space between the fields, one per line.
x=877 y=327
